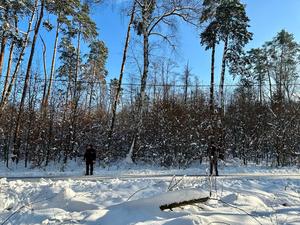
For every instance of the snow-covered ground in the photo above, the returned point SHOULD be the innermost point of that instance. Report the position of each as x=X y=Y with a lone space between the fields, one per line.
x=78 y=169
x=252 y=197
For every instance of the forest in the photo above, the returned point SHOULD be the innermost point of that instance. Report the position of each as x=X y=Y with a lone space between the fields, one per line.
x=52 y=107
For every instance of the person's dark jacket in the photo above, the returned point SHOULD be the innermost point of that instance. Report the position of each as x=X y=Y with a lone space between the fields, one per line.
x=90 y=155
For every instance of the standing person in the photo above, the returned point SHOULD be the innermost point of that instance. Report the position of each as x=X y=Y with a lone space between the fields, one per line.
x=213 y=159
x=90 y=158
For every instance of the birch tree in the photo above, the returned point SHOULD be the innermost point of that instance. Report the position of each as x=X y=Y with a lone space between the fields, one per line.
x=152 y=17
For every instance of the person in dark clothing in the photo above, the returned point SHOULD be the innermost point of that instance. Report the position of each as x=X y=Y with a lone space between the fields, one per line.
x=90 y=158
x=213 y=159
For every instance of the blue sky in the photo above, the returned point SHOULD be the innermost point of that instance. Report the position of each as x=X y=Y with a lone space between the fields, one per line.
x=267 y=17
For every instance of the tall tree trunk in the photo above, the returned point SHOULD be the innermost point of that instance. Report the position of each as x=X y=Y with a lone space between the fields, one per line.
x=270 y=87
x=3 y=42
x=31 y=95
x=91 y=98
x=91 y=91
x=212 y=80
x=10 y=133
x=77 y=64
x=50 y=138
x=142 y=93
x=16 y=140
x=154 y=87
x=45 y=75
x=75 y=99
x=222 y=78
x=52 y=63
x=143 y=84
x=221 y=133
x=115 y=103
x=186 y=83
x=20 y=59
x=10 y=60
x=212 y=153
x=260 y=89
x=2 y=52
x=11 y=51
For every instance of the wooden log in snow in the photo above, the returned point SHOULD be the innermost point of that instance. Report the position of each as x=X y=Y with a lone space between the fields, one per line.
x=184 y=203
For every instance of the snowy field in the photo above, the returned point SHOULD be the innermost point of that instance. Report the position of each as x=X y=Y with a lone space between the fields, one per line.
x=132 y=195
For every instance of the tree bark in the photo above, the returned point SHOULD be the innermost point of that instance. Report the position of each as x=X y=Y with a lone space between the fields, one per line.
x=75 y=99
x=52 y=65
x=183 y=203
x=186 y=83
x=91 y=84
x=260 y=89
x=50 y=138
x=142 y=96
x=45 y=75
x=3 y=42
x=10 y=60
x=114 y=106
x=212 y=80
x=212 y=155
x=270 y=87
x=11 y=51
x=222 y=78
x=2 y=52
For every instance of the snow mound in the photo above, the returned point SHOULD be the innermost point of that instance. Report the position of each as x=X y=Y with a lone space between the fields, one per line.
x=66 y=199
x=147 y=209
x=230 y=199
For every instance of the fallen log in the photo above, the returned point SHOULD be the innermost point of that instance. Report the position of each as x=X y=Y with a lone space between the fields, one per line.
x=184 y=203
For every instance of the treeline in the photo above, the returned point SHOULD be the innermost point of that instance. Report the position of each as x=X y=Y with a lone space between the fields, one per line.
x=52 y=108
x=175 y=129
